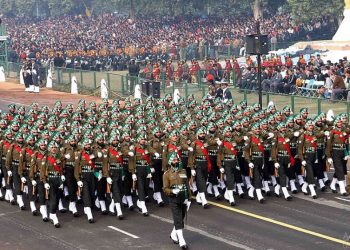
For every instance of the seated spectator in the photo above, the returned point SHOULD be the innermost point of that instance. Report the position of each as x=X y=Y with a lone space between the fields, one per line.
x=276 y=82
x=338 y=87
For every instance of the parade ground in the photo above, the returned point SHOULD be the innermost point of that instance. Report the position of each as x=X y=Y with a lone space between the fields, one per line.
x=303 y=223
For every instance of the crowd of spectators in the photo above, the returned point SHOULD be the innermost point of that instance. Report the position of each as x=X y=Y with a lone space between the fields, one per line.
x=309 y=77
x=108 y=41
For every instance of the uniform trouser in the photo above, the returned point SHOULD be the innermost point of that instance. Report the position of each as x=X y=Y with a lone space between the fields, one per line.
x=201 y=175
x=1 y=175
x=178 y=209
x=16 y=181
x=184 y=160
x=237 y=172
x=230 y=167
x=71 y=183
x=243 y=164
x=291 y=172
x=141 y=173
x=320 y=167
x=116 y=188
x=214 y=172
x=31 y=194
x=269 y=168
x=88 y=191
x=101 y=187
x=40 y=191
x=157 y=176
x=297 y=168
x=257 y=171
x=310 y=166
x=339 y=164
x=8 y=180
x=127 y=183
x=54 y=193
x=284 y=162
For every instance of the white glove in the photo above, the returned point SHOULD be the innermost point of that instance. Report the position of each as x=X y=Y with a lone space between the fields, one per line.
x=303 y=163
x=330 y=160
x=134 y=177
x=206 y=145
x=63 y=178
x=153 y=170
x=186 y=201
x=146 y=151
x=109 y=180
x=277 y=165
x=222 y=170
x=92 y=156
x=162 y=144
x=287 y=140
x=219 y=142
x=190 y=149
x=326 y=133
x=346 y=158
x=80 y=184
x=175 y=191
x=157 y=155
x=193 y=172
x=131 y=147
x=23 y=179
x=296 y=134
x=47 y=186
x=67 y=156
x=271 y=135
x=251 y=165
x=149 y=176
x=9 y=173
x=33 y=183
x=131 y=154
x=245 y=138
x=99 y=154
x=61 y=186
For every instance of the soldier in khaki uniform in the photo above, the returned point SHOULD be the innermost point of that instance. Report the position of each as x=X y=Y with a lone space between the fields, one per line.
x=84 y=167
x=227 y=162
x=51 y=176
x=177 y=189
x=68 y=151
x=139 y=166
x=307 y=151
x=5 y=145
x=113 y=170
x=39 y=159
x=24 y=170
x=127 y=148
x=283 y=159
x=337 y=155
x=200 y=164
x=13 y=157
x=157 y=143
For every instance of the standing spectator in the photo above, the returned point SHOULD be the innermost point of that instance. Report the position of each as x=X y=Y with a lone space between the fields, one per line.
x=219 y=91
x=273 y=43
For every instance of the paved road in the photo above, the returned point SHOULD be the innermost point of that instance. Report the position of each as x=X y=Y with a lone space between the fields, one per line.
x=303 y=223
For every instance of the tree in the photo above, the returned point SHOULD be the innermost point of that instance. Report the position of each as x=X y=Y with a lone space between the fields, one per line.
x=306 y=10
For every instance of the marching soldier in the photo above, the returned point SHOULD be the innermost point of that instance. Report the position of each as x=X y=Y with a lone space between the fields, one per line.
x=69 y=151
x=307 y=152
x=39 y=159
x=337 y=155
x=24 y=170
x=113 y=170
x=5 y=145
x=227 y=162
x=200 y=164
x=100 y=181
x=177 y=189
x=283 y=159
x=140 y=169
x=51 y=175
x=84 y=167
x=13 y=157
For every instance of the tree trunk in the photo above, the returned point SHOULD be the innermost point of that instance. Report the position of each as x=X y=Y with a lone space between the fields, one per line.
x=132 y=9
x=257 y=9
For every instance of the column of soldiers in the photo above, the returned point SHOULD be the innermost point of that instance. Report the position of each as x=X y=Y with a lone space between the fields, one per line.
x=103 y=155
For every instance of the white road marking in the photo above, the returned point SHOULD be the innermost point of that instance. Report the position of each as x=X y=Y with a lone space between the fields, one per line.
x=124 y=232
x=326 y=202
x=204 y=233
x=342 y=199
